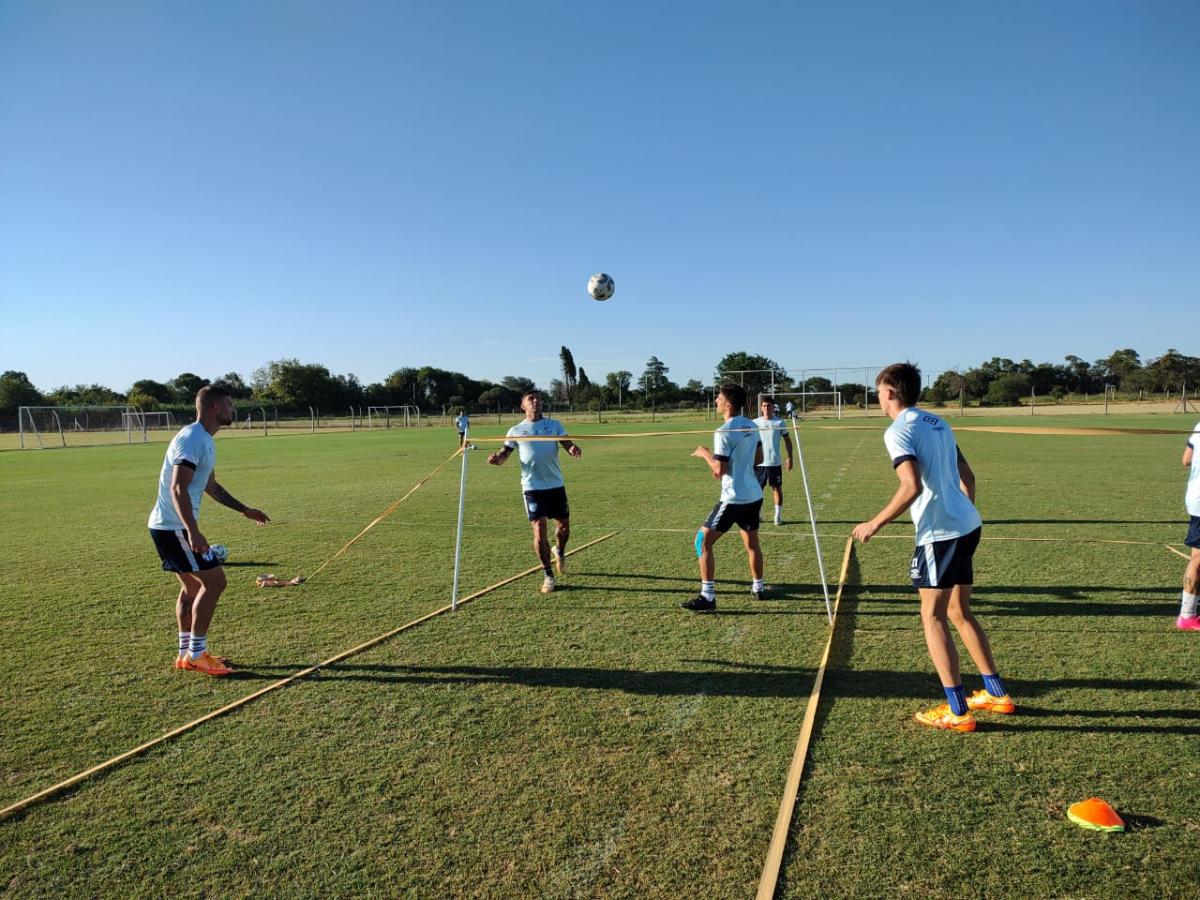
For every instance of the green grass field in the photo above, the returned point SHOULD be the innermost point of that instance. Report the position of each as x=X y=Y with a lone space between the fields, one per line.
x=599 y=741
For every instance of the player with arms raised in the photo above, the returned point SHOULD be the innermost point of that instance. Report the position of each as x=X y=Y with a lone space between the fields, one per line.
x=939 y=486
x=542 y=481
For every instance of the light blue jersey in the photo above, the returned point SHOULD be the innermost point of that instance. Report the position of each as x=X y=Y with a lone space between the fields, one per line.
x=942 y=511
x=462 y=422
x=735 y=443
x=192 y=447
x=771 y=433
x=539 y=459
x=1193 y=488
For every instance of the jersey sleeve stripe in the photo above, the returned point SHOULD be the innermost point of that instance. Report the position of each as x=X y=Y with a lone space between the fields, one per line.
x=900 y=460
x=186 y=462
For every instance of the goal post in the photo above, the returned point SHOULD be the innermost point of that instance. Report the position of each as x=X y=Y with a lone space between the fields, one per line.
x=405 y=416
x=77 y=426
x=807 y=401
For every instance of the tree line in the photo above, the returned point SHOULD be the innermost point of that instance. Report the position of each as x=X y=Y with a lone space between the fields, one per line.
x=290 y=384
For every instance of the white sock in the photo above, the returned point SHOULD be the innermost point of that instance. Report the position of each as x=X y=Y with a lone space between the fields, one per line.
x=757 y=586
x=1188 y=608
x=185 y=642
x=199 y=645
x=708 y=590
x=778 y=510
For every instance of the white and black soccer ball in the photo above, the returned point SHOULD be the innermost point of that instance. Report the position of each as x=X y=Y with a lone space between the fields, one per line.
x=601 y=286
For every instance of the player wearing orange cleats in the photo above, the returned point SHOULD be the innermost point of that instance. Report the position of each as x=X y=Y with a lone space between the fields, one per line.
x=187 y=474
x=939 y=487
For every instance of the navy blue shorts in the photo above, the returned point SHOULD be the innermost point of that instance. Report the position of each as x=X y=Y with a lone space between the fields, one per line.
x=945 y=564
x=176 y=553
x=548 y=504
x=769 y=476
x=1193 y=535
x=725 y=515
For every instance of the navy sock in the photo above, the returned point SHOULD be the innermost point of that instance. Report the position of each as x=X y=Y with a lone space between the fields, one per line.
x=549 y=572
x=994 y=685
x=957 y=699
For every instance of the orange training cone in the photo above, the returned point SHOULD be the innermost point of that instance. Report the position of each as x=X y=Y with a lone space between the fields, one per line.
x=1095 y=814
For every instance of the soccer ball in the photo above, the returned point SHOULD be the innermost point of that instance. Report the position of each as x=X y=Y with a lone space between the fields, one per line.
x=601 y=286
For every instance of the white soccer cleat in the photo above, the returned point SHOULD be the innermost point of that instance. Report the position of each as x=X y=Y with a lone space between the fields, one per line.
x=548 y=585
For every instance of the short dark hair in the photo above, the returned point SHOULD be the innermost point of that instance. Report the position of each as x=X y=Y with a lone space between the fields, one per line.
x=905 y=379
x=530 y=392
x=208 y=395
x=734 y=394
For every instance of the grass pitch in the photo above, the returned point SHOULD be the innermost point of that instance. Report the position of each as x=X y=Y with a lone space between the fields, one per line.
x=600 y=741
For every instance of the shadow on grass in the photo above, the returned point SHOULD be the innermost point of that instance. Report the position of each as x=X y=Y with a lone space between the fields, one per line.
x=988 y=600
x=991 y=521
x=249 y=564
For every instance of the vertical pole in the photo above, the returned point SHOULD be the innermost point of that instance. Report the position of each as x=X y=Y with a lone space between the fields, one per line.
x=1032 y=400
x=21 y=425
x=462 y=497
x=813 y=520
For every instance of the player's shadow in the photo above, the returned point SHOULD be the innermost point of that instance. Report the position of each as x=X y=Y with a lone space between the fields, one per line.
x=786 y=681
x=1061 y=601
x=991 y=521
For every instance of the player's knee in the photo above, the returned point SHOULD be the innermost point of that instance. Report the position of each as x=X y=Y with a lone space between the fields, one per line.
x=215 y=581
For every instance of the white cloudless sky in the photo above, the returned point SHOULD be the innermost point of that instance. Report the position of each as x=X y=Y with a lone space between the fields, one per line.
x=368 y=185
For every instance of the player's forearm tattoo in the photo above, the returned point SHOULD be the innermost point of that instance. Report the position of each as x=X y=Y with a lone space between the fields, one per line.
x=225 y=498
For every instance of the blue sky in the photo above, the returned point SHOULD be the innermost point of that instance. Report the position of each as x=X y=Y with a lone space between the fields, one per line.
x=207 y=186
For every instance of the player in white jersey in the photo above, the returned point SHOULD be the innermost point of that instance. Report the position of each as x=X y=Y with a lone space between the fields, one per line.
x=461 y=422
x=187 y=474
x=939 y=487
x=773 y=431
x=736 y=451
x=542 y=481
x=1189 y=618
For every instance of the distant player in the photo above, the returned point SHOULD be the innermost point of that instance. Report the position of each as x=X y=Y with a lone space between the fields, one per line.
x=1189 y=619
x=542 y=482
x=791 y=409
x=772 y=431
x=736 y=451
x=188 y=473
x=939 y=486
x=461 y=423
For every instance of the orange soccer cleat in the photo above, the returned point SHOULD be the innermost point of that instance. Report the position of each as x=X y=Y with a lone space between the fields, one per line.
x=985 y=702
x=941 y=717
x=207 y=664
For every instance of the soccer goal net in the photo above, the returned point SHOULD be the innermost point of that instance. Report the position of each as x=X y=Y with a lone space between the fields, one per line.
x=393 y=416
x=161 y=420
x=806 y=402
x=78 y=426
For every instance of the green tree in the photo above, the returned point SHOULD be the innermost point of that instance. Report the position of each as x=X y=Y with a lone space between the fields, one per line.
x=185 y=385
x=654 y=382
x=1008 y=389
x=616 y=386
x=570 y=376
x=1119 y=365
x=232 y=382
x=155 y=390
x=755 y=373
x=16 y=391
